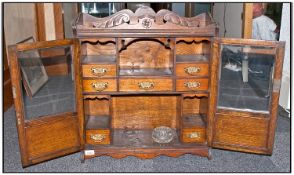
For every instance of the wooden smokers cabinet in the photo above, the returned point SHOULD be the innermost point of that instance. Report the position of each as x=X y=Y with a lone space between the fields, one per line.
x=132 y=73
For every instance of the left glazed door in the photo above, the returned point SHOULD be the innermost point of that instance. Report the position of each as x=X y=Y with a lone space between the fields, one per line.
x=47 y=96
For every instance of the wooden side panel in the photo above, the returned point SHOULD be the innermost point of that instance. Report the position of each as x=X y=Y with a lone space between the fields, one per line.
x=96 y=107
x=191 y=106
x=241 y=131
x=144 y=112
x=45 y=137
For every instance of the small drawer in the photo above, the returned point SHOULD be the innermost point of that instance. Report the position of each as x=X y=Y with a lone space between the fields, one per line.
x=99 y=136
x=191 y=84
x=99 y=70
x=146 y=84
x=99 y=85
x=183 y=69
x=193 y=135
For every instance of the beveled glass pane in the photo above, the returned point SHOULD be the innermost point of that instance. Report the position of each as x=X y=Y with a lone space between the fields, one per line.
x=47 y=81
x=245 y=77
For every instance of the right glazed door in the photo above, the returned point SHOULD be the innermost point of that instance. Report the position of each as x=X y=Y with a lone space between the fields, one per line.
x=245 y=81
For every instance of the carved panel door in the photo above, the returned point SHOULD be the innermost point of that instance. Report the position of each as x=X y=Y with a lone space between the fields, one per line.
x=246 y=76
x=48 y=106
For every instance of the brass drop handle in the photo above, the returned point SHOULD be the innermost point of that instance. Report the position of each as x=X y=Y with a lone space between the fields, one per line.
x=193 y=135
x=192 y=85
x=98 y=71
x=99 y=86
x=146 y=85
x=97 y=137
x=192 y=70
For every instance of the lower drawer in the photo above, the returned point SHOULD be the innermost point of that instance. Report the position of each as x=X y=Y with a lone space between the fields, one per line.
x=192 y=84
x=193 y=135
x=99 y=85
x=146 y=84
x=98 y=136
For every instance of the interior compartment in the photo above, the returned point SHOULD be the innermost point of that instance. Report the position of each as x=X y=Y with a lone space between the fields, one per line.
x=98 y=51
x=192 y=50
x=143 y=57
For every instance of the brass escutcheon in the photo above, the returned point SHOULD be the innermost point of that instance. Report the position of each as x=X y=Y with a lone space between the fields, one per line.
x=192 y=70
x=97 y=137
x=193 y=135
x=191 y=85
x=99 y=86
x=98 y=71
x=146 y=85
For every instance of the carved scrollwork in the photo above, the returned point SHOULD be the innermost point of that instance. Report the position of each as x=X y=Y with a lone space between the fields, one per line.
x=174 y=18
x=147 y=17
x=116 y=19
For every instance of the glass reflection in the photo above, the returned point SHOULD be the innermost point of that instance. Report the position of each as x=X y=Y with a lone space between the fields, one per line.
x=48 y=85
x=245 y=80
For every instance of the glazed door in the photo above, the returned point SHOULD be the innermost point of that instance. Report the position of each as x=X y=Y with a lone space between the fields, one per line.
x=246 y=79
x=47 y=97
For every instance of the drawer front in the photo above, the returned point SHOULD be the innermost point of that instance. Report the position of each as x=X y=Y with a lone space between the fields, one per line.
x=193 y=135
x=99 y=136
x=146 y=84
x=99 y=85
x=192 y=69
x=191 y=84
x=99 y=70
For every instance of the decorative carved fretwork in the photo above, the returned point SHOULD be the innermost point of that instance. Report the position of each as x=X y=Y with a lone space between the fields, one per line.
x=146 y=17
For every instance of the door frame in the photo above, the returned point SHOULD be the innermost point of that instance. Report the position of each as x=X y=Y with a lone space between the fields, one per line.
x=18 y=99
x=214 y=80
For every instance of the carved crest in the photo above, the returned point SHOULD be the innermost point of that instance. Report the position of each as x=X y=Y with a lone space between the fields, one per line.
x=146 y=17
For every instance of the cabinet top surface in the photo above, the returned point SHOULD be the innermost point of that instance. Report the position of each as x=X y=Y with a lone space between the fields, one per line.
x=144 y=22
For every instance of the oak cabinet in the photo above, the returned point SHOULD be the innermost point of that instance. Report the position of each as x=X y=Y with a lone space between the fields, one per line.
x=134 y=72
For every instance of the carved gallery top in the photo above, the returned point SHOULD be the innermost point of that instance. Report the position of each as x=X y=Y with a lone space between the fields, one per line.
x=144 y=22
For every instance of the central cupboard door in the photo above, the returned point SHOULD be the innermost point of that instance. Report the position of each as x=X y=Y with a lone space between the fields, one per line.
x=47 y=97
x=246 y=77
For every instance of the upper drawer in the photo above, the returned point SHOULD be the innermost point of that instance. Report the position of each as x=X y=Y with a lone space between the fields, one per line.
x=183 y=69
x=99 y=70
x=99 y=85
x=145 y=84
x=192 y=84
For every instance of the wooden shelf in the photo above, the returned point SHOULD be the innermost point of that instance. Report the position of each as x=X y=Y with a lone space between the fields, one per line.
x=192 y=58
x=98 y=122
x=98 y=59
x=193 y=120
x=146 y=72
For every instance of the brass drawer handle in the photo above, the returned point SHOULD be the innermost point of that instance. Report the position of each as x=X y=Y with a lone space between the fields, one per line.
x=98 y=71
x=99 y=86
x=192 y=70
x=97 y=137
x=192 y=85
x=193 y=135
x=146 y=85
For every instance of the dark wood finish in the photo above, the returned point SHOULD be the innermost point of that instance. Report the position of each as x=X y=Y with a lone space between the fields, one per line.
x=58 y=20
x=7 y=91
